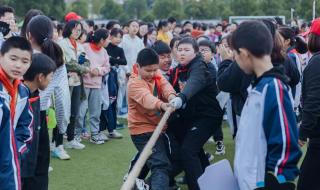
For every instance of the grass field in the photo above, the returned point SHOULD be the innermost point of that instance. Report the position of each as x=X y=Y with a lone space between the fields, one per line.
x=103 y=166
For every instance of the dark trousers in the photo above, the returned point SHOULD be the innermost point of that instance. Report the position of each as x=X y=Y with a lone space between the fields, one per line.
x=40 y=179
x=158 y=162
x=309 y=177
x=218 y=134
x=57 y=137
x=75 y=107
x=35 y=183
x=108 y=118
x=193 y=157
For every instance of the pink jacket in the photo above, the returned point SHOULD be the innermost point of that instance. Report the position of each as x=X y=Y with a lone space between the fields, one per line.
x=99 y=60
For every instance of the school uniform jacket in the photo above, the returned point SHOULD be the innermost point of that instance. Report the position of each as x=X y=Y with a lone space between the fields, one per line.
x=267 y=138
x=14 y=137
x=29 y=162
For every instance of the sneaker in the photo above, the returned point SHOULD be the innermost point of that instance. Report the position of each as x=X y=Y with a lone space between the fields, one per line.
x=141 y=185
x=220 y=149
x=209 y=156
x=103 y=137
x=50 y=169
x=78 y=138
x=59 y=152
x=85 y=135
x=115 y=135
x=96 y=139
x=74 y=144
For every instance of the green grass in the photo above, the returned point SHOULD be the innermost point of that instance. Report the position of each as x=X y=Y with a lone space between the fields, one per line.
x=103 y=166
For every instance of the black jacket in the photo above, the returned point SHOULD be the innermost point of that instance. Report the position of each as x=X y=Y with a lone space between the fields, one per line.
x=199 y=91
x=29 y=163
x=291 y=70
x=233 y=80
x=116 y=54
x=310 y=126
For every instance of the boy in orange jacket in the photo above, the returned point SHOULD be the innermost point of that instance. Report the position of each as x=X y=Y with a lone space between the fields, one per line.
x=148 y=94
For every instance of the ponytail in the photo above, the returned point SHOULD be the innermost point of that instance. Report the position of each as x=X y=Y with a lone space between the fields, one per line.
x=97 y=36
x=53 y=50
x=295 y=41
x=41 y=30
x=301 y=45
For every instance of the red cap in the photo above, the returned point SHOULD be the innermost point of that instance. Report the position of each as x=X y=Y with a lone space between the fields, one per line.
x=315 y=27
x=72 y=16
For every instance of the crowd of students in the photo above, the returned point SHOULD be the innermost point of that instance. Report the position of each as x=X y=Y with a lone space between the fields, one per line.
x=88 y=75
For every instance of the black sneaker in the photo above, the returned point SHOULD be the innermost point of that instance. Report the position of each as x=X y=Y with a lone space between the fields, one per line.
x=220 y=149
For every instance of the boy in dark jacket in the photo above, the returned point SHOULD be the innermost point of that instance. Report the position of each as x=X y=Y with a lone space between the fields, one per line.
x=199 y=110
x=206 y=48
x=36 y=78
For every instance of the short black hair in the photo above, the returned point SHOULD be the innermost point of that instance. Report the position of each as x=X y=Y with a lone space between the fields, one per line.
x=131 y=21
x=191 y=41
x=40 y=64
x=172 y=19
x=161 y=48
x=5 y=9
x=16 y=42
x=162 y=23
x=196 y=25
x=90 y=23
x=98 y=35
x=174 y=40
x=186 y=22
x=314 y=43
x=67 y=31
x=209 y=44
x=115 y=31
x=111 y=24
x=147 y=56
x=251 y=33
x=142 y=23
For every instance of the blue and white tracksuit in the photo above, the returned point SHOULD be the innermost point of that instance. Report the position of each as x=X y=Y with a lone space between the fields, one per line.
x=267 y=138
x=13 y=137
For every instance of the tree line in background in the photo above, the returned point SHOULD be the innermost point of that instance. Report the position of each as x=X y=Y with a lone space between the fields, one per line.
x=149 y=10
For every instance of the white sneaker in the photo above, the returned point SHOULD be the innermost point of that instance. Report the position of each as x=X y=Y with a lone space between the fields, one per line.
x=74 y=144
x=141 y=185
x=115 y=135
x=78 y=138
x=59 y=152
x=50 y=169
x=96 y=139
x=103 y=137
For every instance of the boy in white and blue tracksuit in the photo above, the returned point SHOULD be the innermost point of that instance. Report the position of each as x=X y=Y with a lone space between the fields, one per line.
x=14 y=137
x=267 y=150
x=15 y=115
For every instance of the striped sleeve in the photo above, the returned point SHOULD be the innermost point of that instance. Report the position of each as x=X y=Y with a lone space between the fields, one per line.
x=280 y=127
